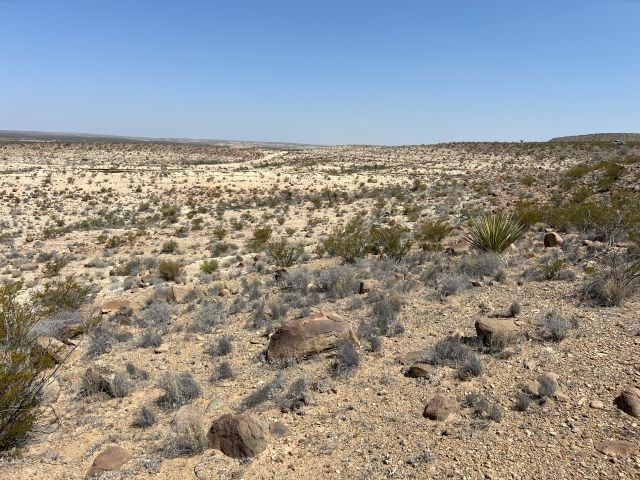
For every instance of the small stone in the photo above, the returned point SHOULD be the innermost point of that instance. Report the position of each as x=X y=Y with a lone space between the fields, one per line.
x=111 y=458
x=440 y=407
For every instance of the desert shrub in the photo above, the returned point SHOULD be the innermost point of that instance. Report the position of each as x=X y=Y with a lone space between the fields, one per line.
x=483 y=265
x=482 y=407
x=391 y=241
x=222 y=347
x=137 y=373
x=430 y=233
x=62 y=295
x=522 y=402
x=191 y=438
x=566 y=275
x=555 y=326
x=223 y=371
x=22 y=367
x=259 y=238
x=452 y=352
x=53 y=267
x=283 y=254
x=101 y=339
x=452 y=284
x=267 y=392
x=494 y=232
x=115 y=385
x=157 y=313
x=550 y=266
x=547 y=387
x=337 y=282
x=145 y=418
x=209 y=315
x=385 y=311
x=347 y=360
x=150 y=339
x=209 y=266
x=369 y=334
x=613 y=284
x=179 y=389
x=169 y=270
x=514 y=310
x=296 y=397
x=170 y=246
x=61 y=325
x=349 y=242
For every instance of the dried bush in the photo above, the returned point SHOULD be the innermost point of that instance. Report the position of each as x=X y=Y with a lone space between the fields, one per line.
x=296 y=397
x=157 y=313
x=221 y=348
x=145 y=418
x=150 y=339
x=556 y=326
x=223 y=372
x=615 y=283
x=483 y=265
x=267 y=392
x=170 y=246
x=347 y=360
x=452 y=284
x=451 y=352
x=179 y=389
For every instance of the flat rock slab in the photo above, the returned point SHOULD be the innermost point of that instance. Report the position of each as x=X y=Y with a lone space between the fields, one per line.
x=111 y=458
x=308 y=336
x=617 y=448
x=410 y=358
x=237 y=436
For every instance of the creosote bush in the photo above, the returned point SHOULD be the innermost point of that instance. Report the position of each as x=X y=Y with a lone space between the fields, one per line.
x=283 y=254
x=430 y=233
x=349 y=242
x=169 y=270
x=22 y=367
x=259 y=238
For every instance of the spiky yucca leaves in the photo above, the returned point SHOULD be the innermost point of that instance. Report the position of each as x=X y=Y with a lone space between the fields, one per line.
x=494 y=232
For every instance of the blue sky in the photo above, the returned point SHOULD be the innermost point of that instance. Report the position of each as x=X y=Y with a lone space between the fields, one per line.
x=323 y=71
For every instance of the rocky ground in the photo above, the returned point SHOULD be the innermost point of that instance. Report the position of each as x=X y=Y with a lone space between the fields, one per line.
x=186 y=355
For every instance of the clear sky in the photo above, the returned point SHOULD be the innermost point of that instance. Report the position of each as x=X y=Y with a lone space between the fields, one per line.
x=321 y=71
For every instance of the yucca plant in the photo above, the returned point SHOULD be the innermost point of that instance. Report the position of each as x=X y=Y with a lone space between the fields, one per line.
x=494 y=232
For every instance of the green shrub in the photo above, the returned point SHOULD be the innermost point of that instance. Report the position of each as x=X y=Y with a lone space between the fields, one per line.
x=283 y=254
x=22 y=367
x=209 y=266
x=494 y=232
x=430 y=233
x=170 y=246
x=52 y=267
x=169 y=270
x=349 y=242
x=62 y=295
x=259 y=238
x=391 y=241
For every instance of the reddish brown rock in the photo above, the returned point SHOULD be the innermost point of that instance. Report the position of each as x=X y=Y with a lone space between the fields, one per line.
x=420 y=370
x=629 y=402
x=180 y=293
x=440 y=407
x=309 y=335
x=115 y=306
x=111 y=458
x=552 y=239
x=237 y=436
x=52 y=348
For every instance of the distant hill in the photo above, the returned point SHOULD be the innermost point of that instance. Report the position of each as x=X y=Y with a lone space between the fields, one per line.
x=28 y=136
x=599 y=137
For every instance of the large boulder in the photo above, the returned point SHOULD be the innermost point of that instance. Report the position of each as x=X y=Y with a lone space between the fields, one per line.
x=237 y=436
x=109 y=459
x=52 y=349
x=489 y=328
x=309 y=335
x=629 y=402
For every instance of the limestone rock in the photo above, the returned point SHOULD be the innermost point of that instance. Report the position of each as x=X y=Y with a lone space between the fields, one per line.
x=486 y=328
x=617 y=448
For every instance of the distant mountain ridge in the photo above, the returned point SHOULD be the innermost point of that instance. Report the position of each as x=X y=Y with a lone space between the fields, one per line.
x=32 y=136
x=599 y=137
